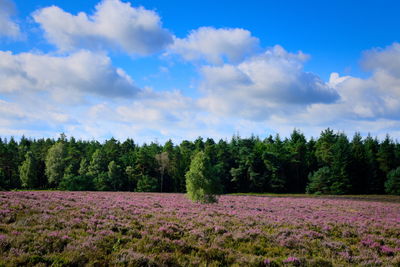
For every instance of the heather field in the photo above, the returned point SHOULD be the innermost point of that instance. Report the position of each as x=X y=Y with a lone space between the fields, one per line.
x=144 y=229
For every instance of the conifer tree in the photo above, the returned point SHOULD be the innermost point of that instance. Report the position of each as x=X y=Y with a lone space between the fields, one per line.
x=392 y=185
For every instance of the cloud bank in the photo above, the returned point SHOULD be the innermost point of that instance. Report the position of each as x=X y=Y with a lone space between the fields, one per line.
x=81 y=72
x=215 y=45
x=269 y=83
x=114 y=24
x=8 y=27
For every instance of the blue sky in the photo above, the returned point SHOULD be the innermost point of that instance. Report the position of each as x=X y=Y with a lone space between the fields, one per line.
x=180 y=69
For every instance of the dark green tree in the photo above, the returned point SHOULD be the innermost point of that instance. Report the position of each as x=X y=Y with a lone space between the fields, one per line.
x=341 y=183
x=98 y=169
x=298 y=169
x=76 y=178
x=147 y=184
x=392 y=185
x=115 y=177
x=131 y=177
x=10 y=164
x=374 y=178
x=358 y=167
x=320 y=181
x=2 y=180
x=276 y=159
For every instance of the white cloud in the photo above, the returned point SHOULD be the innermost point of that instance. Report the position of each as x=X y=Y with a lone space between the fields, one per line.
x=273 y=82
x=114 y=24
x=366 y=104
x=375 y=97
x=82 y=72
x=383 y=60
x=32 y=115
x=8 y=27
x=10 y=111
x=213 y=45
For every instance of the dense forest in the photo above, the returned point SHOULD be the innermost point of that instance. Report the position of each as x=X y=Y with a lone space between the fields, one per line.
x=330 y=164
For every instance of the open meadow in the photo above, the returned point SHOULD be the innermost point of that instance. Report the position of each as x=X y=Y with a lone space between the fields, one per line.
x=149 y=229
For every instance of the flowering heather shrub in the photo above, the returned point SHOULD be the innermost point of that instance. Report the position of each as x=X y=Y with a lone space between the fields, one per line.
x=146 y=229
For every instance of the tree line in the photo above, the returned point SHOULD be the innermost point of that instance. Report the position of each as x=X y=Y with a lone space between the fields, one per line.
x=329 y=164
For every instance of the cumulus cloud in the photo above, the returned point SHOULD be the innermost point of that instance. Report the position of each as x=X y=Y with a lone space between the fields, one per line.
x=383 y=60
x=365 y=104
x=81 y=72
x=8 y=27
x=215 y=45
x=114 y=24
x=273 y=82
x=378 y=96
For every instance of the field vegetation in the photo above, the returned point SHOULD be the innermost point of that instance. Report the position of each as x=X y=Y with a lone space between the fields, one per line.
x=43 y=228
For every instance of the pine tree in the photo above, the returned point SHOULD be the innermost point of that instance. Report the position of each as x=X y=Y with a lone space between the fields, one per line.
x=320 y=181
x=374 y=178
x=392 y=185
x=340 y=166
x=276 y=159
x=358 y=166
x=297 y=157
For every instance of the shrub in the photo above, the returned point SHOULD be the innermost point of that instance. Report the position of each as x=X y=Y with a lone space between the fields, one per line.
x=201 y=181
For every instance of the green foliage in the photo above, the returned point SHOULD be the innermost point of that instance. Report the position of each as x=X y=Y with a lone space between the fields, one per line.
x=340 y=164
x=83 y=167
x=299 y=159
x=28 y=171
x=358 y=169
x=280 y=165
x=202 y=184
x=2 y=179
x=276 y=159
x=55 y=163
x=115 y=178
x=98 y=170
x=374 y=178
x=76 y=183
x=131 y=178
x=324 y=147
x=147 y=184
x=392 y=185
x=320 y=181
